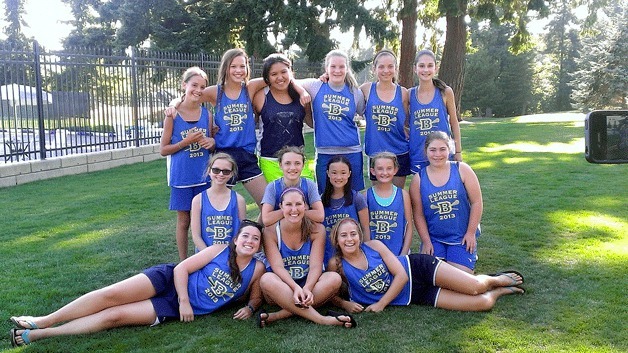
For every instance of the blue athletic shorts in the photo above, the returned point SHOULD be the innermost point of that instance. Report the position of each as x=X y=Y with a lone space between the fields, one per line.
x=404 y=166
x=357 y=166
x=166 y=301
x=456 y=253
x=181 y=198
x=247 y=165
x=423 y=269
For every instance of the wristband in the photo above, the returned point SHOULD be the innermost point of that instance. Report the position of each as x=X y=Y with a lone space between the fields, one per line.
x=250 y=308
x=458 y=152
x=179 y=144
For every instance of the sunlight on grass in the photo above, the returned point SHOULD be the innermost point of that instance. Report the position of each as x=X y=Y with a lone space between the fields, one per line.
x=550 y=117
x=517 y=160
x=575 y=146
x=488 y=164
x=586 y=237
x=85 y=238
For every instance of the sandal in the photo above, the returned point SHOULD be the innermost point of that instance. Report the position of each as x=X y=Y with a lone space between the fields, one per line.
x=24 y=336
x=508 y=273
x=336 y=314
x=27 y=319
x=261 y=323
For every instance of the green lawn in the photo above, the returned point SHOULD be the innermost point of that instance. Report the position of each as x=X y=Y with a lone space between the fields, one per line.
x=547 y=213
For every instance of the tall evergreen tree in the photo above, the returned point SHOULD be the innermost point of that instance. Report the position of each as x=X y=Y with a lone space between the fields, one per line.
x=601 y=81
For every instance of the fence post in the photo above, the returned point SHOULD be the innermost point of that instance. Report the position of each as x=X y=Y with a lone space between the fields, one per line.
x=134 y=100
x=40 y=101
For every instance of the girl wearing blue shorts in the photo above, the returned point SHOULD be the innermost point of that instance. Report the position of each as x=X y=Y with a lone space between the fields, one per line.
x=447 y=205
x=186 y=142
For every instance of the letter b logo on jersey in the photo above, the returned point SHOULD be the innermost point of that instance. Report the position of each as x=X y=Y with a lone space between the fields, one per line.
x=382 y=227
x=384 y=120
x=235 y=119
x=296 y=272
x=221 y=233
x=335 y=109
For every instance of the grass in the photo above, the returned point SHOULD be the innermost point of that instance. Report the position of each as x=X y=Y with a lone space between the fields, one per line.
x=547 y=212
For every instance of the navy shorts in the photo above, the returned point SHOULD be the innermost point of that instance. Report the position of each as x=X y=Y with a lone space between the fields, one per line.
x=166 y=301
x=181 y=198
x=404 y=166
x=248 y=168
x=456 y=253
x=424 y=289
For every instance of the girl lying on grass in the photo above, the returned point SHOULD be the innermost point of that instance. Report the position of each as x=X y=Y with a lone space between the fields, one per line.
x=203 y=283
x=377 y=278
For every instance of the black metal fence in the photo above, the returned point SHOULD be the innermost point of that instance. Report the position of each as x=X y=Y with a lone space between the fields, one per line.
x=55 y=103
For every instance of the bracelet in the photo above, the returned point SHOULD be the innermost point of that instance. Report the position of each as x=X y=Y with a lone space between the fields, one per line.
x=250 y=308
x=458 y=152
x=179 y=144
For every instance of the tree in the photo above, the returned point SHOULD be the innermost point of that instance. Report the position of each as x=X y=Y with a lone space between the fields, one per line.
x=14 y=16
x=601 y=81
x=455 y=11
x=498 y=80
x=562 y=44
x=213 y=26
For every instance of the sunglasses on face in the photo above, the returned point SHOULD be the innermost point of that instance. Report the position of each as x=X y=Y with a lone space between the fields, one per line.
x=223 y=171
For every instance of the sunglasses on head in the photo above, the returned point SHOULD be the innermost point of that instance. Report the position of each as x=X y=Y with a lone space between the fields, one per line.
x=223 y=171
x=248 y=222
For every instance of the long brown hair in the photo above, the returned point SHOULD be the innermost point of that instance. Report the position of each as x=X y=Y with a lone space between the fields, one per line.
x=440 y=84
x=333 y=236
x=234 y=270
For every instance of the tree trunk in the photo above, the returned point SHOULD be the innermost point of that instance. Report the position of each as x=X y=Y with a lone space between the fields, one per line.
x=452 y=65
x=408 y=17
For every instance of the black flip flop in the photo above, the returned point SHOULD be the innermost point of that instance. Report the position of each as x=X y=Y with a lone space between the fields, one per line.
x=335 y=314
x=501 y=273
x=261 y=323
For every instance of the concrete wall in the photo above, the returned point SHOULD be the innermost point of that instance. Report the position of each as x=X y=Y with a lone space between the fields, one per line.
x=27 y=171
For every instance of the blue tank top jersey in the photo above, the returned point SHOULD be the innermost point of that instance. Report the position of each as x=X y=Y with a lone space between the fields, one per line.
x=385 y=124
x=186 y=167
x=333 y=114
x=279 y=187
x=446 y=208
x=369 y=286
x=280 y=125
x=211 y=287
x=425 y=118
x=387 y=223
x=296 y=262
x=332 y=216
x=235 y=121
x=218 y=227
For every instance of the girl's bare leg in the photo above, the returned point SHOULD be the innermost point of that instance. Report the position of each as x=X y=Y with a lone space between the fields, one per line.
x=452 y=278
x=130 y=290
x=132 y=314
x=278 y=292
x=451 y=300
x=183 y=227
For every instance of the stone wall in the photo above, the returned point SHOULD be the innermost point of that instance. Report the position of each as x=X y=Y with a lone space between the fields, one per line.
x=27 y=171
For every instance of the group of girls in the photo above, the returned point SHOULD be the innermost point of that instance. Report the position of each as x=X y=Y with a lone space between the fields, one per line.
x=312 y=244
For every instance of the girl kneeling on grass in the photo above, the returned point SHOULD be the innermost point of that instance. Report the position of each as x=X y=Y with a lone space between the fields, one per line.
x=377 y=278
x=294 y=248
x=216 y=213
x=291 y=161
x=203 y=283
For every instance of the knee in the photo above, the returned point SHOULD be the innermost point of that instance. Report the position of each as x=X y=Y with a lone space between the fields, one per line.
x=267 y=281
x=478 y=287
x=110 y=294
